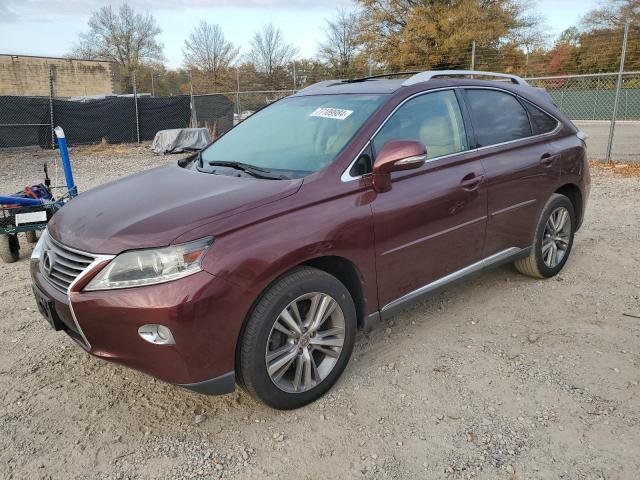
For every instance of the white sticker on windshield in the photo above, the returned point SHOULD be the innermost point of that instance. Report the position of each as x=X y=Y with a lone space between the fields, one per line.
x=335 y=113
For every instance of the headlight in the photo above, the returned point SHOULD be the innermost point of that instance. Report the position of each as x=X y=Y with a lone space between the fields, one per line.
x=149 y=267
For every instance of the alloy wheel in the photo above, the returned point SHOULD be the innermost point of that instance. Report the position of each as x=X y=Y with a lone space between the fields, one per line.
x=305 y=342
x=557 y=235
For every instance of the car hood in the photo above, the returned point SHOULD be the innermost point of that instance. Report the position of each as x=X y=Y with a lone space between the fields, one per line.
x=153 y=208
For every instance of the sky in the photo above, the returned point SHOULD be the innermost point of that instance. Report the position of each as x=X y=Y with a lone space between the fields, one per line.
x=51 y=27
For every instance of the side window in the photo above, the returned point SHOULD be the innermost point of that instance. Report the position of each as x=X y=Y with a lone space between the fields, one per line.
x=433 y=118
x=540 y=121
x=497 y=117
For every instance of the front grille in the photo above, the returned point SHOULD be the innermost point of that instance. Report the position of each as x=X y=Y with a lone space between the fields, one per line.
x=63 y=265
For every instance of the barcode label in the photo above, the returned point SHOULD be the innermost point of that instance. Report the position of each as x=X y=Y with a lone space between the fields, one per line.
x=335 y=113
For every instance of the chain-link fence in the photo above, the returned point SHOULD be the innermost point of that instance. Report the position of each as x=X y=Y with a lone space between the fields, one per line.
x=246 y=103
x=589 y=100
x=131 y=117
x=218 y=102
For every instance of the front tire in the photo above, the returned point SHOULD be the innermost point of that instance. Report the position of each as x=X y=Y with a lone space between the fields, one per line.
x=553 y=239
x=298 y=339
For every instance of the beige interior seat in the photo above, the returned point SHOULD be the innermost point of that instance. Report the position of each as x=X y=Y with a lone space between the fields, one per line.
x=437 y=134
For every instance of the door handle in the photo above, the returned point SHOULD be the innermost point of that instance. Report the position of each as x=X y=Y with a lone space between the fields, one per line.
x=471 y=182
x=547 y=160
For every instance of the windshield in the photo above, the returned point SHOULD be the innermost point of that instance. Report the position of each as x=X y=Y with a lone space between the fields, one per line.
x=297 y=135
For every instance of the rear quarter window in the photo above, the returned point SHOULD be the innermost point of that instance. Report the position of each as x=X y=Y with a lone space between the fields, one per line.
x=540 y=121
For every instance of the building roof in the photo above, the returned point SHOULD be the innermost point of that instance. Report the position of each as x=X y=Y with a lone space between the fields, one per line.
x=15 y=55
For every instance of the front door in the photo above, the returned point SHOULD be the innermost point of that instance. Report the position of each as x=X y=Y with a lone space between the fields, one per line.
x=432 y=221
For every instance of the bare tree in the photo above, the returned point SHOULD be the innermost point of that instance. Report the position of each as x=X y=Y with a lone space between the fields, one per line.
x=124 y=36
x=207 y=49
x=269 y=50
x=613 y=14
x=341 y=45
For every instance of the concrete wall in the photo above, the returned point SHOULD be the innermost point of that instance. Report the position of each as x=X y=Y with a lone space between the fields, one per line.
x=29 y=76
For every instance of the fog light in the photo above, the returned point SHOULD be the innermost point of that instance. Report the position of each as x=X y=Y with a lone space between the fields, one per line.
x=156 y=334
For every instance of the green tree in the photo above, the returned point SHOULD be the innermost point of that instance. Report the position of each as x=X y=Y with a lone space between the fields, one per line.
x=435 y=34
x=570 y=36
x=600 y=42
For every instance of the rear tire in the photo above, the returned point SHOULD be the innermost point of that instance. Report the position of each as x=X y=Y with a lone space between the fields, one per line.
x=9 y=248
x=289 y=357
x=553 y=239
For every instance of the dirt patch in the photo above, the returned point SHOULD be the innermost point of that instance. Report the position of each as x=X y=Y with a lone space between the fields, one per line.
x=620 y=168
x=500 y=377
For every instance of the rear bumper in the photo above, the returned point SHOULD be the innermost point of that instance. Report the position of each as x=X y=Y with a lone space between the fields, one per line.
x=203 y=312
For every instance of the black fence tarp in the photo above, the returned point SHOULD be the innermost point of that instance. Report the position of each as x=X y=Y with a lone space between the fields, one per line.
x=26 y=121
x=114 y=118
x=214 y=111
x=162 y=113
x=88 y=122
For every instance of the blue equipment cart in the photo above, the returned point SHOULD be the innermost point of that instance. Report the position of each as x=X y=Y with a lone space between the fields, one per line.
x=28 y=212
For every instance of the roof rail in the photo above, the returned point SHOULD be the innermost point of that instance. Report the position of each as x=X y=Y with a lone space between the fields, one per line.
x=426 y=76
x=381 y=75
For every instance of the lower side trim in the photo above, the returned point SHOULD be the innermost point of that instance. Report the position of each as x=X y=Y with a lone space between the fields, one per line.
x=225 y=383
x=508 y=255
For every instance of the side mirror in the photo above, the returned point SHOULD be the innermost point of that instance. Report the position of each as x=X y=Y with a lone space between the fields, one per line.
x=395 y=156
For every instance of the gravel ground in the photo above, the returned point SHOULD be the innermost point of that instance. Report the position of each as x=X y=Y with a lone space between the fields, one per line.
x=500 y=377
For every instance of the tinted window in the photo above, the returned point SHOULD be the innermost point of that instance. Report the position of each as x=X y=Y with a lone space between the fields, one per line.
x=497 y=117
x=540 y=121
x=433 y=118
x=363 y=163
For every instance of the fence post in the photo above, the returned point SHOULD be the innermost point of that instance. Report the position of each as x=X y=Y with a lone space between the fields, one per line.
x=294 y=76
x=618 y=87
x=595 y=103
x=473 y=55
x=53 y=141
x=194 y=114
x=135 y=99
x=238 y=91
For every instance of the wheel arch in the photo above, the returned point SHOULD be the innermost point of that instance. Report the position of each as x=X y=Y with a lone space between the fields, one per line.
x=573 y=193
x=340 y=267
x=345 y=271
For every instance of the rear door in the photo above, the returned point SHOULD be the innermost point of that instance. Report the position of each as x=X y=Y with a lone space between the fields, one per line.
x=432 y=221
x=521 y=164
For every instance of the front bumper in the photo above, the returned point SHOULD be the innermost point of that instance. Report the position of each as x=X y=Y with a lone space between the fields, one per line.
x=204 y=313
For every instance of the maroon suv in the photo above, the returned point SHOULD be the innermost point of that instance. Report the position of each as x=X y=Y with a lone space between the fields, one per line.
x=256 y=260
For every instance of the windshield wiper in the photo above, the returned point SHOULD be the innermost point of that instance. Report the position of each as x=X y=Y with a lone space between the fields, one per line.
x=250 y=169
